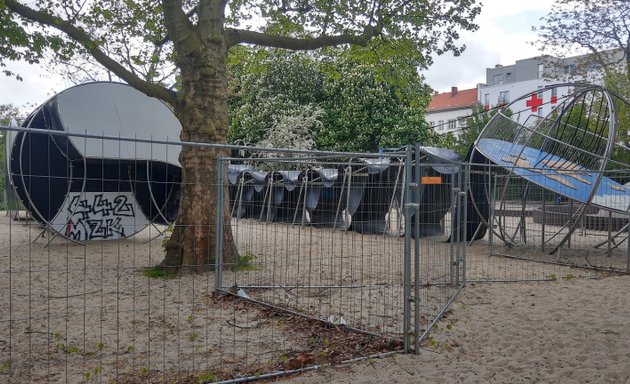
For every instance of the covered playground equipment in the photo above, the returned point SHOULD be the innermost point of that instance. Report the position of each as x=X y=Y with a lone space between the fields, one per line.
x=105 y=177
x=85 y=187
x=564 y=170
x=359 y=194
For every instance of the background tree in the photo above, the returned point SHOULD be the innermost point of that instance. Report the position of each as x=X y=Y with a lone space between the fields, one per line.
x=353 y=105
x=196 y=37
x=370 y=106
x=270 y=85
x=475 y=123
x=600 y=28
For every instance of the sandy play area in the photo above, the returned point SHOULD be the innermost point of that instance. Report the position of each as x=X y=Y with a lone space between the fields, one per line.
x=75 y=313
x=575 y=331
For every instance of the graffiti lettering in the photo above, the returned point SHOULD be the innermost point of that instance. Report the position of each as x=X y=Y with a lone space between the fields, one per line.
x=97 y=216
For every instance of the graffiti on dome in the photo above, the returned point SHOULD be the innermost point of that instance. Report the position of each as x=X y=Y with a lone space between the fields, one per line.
x=99 y=216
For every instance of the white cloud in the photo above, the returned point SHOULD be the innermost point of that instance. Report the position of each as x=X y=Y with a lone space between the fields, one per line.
x=504 y=36
x=36 y=87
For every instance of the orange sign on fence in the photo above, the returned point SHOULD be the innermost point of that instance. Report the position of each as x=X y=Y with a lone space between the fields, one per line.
x=431 y=180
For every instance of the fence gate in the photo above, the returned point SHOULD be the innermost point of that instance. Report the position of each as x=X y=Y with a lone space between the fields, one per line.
x=434 y=252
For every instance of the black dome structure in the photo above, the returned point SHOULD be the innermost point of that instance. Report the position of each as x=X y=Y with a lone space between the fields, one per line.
x=85 y=176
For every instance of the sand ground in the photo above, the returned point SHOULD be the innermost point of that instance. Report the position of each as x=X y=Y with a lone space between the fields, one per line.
x=72 y=313
x=568 y=331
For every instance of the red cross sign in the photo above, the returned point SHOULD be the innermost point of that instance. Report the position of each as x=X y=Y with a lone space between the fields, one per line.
x=534 y=102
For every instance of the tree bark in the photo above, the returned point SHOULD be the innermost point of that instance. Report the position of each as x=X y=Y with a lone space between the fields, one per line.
x=202 y=110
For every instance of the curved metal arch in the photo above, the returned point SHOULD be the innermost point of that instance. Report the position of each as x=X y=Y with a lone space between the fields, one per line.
x=599 y=158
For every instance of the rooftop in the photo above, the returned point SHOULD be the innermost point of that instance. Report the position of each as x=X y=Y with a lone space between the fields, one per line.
x=454 y=99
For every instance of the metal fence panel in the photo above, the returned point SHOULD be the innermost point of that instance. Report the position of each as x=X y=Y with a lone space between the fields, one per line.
x=539 y=235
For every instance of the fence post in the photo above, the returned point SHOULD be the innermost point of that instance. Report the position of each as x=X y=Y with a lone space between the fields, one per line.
x=218 y=254
x=544 y=220
x=455 y=233
x=492 y=179
x=407 y=253
x=463 y=220
x=416 y=295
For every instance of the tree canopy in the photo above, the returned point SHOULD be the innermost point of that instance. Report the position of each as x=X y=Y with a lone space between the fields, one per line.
x=140 y=41
x=599 y=27
x=177 y=51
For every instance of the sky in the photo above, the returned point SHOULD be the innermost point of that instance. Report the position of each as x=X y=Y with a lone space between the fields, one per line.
x=504 y=36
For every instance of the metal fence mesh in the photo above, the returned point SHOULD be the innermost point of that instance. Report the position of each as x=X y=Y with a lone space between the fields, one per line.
x=320 y=278
x=341 y=257
x=530 y=237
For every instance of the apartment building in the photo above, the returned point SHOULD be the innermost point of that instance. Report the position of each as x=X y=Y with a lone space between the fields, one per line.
x=505 y=84
x=447 y=111
x=510 y=83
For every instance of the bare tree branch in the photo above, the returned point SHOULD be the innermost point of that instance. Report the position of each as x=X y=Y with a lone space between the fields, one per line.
x=239 y=36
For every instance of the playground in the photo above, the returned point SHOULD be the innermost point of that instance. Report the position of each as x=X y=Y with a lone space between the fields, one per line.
x=342 y=256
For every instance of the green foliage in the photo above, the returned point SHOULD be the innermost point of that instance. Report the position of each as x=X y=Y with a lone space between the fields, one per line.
x=70 y=348
x=205 y=377
x=365 y=110
x=330 y=102
x=269 y=93
x=474 y=125
x=618 y=81
x=245 y=262
x=5 y=366
x=193 y=336
x=159 y=273
x=552 y=277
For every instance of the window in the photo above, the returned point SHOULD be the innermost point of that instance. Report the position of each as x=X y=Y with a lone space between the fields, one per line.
x=541 y=70
x=508 y=77
x=486 y=99
x=452 y=125
x=504 y=97
x=497 y=79
x=432 y=124
x=569 y=69
x=440 y=125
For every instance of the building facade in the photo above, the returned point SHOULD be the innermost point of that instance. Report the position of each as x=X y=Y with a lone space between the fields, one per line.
x=505 y=84
x=448 y=111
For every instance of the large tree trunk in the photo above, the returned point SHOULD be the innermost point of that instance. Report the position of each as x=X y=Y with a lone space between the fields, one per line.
x=203 y=112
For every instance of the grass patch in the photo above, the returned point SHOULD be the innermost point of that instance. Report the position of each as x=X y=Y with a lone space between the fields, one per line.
x=206 y=377
x=159 y=273
x=245 y=262
x=4 y=368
